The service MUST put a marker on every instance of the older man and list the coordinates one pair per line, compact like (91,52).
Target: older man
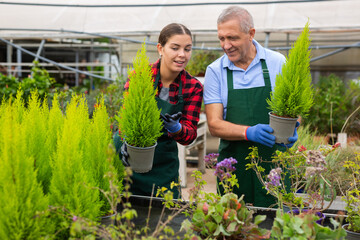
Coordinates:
(235,91)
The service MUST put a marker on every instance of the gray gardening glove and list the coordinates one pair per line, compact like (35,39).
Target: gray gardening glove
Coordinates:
(125,155)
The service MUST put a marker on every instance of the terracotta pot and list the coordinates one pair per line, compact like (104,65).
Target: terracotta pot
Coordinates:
(283,128)
(141,158)
(350,235)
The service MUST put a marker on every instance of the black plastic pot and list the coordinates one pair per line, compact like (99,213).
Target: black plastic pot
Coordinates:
(141,205)
(350,234)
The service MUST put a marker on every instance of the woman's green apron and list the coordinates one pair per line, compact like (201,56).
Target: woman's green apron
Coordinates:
(248,107)
(166,162)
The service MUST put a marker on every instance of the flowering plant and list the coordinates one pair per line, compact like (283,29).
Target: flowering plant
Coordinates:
(305,170)
(224,217)
(352,196)
(298,170)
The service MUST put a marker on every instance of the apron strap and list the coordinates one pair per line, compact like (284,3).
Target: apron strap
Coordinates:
(265,71)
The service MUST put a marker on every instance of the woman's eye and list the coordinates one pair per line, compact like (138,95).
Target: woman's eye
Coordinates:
(188,49)
(175,49)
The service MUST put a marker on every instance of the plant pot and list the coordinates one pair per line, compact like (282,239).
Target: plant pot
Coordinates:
(319,214)
(108,219)
(350,235)
(141,158)
(283,128)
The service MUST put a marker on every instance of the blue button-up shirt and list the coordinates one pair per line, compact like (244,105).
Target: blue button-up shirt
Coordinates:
(215,85)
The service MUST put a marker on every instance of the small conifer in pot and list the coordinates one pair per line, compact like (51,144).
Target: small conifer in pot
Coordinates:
(139,117)
(293,93)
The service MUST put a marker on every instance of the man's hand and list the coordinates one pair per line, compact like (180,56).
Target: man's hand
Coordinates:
(261,133)
(171,122)
(125,155)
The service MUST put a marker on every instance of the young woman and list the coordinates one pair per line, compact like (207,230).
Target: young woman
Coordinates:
(179,97)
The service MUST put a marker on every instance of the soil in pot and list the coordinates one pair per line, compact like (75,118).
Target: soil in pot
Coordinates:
(350,235)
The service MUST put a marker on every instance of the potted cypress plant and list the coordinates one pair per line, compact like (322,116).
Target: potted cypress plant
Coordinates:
(293,93)
(139,117)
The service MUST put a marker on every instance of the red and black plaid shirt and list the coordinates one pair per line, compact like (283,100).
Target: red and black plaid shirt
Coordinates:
(192,91)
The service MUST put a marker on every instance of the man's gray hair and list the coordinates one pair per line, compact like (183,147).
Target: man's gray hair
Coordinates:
(244,17)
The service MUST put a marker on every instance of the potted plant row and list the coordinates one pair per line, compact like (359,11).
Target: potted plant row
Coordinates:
(54,165)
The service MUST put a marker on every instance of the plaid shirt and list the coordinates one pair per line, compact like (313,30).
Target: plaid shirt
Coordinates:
(192,94)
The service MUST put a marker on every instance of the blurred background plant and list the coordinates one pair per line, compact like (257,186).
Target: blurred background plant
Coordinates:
(311,139)
(199,61)
(38,79)
(334,102)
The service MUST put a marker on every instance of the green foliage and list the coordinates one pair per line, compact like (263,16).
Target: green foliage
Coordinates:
(97,141)
(35,125)
(8,86)
(293,93)
(306,170)
(219,217)
(334,102)
(39,79)
(21,197)
(139,116)
(352,195)
(303,226)
(199,61)
(310,139)
(72,182)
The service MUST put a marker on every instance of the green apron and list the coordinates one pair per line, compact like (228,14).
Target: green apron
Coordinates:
(248,107)
(166,162)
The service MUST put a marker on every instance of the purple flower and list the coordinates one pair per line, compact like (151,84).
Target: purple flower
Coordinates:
(74,218)
(225,168)
(274,178)
(211,159)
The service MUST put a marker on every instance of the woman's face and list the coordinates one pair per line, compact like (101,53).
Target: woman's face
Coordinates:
(176,53)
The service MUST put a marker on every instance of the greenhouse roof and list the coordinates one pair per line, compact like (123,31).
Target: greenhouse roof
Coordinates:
(58,18)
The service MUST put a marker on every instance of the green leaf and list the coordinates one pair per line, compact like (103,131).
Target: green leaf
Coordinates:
(259,219)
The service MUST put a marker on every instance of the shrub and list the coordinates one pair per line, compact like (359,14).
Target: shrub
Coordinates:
(293,94)
(139,116)
(21,197)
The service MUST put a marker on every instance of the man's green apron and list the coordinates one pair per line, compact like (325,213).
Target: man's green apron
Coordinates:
(248,107)
(166,162)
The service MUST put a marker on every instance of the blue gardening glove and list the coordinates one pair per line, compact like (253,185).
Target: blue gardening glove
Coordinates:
(171,122)
(260,133)
(125,155)
(292,139)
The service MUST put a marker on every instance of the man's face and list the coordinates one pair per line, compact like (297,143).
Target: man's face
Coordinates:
(235,43)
